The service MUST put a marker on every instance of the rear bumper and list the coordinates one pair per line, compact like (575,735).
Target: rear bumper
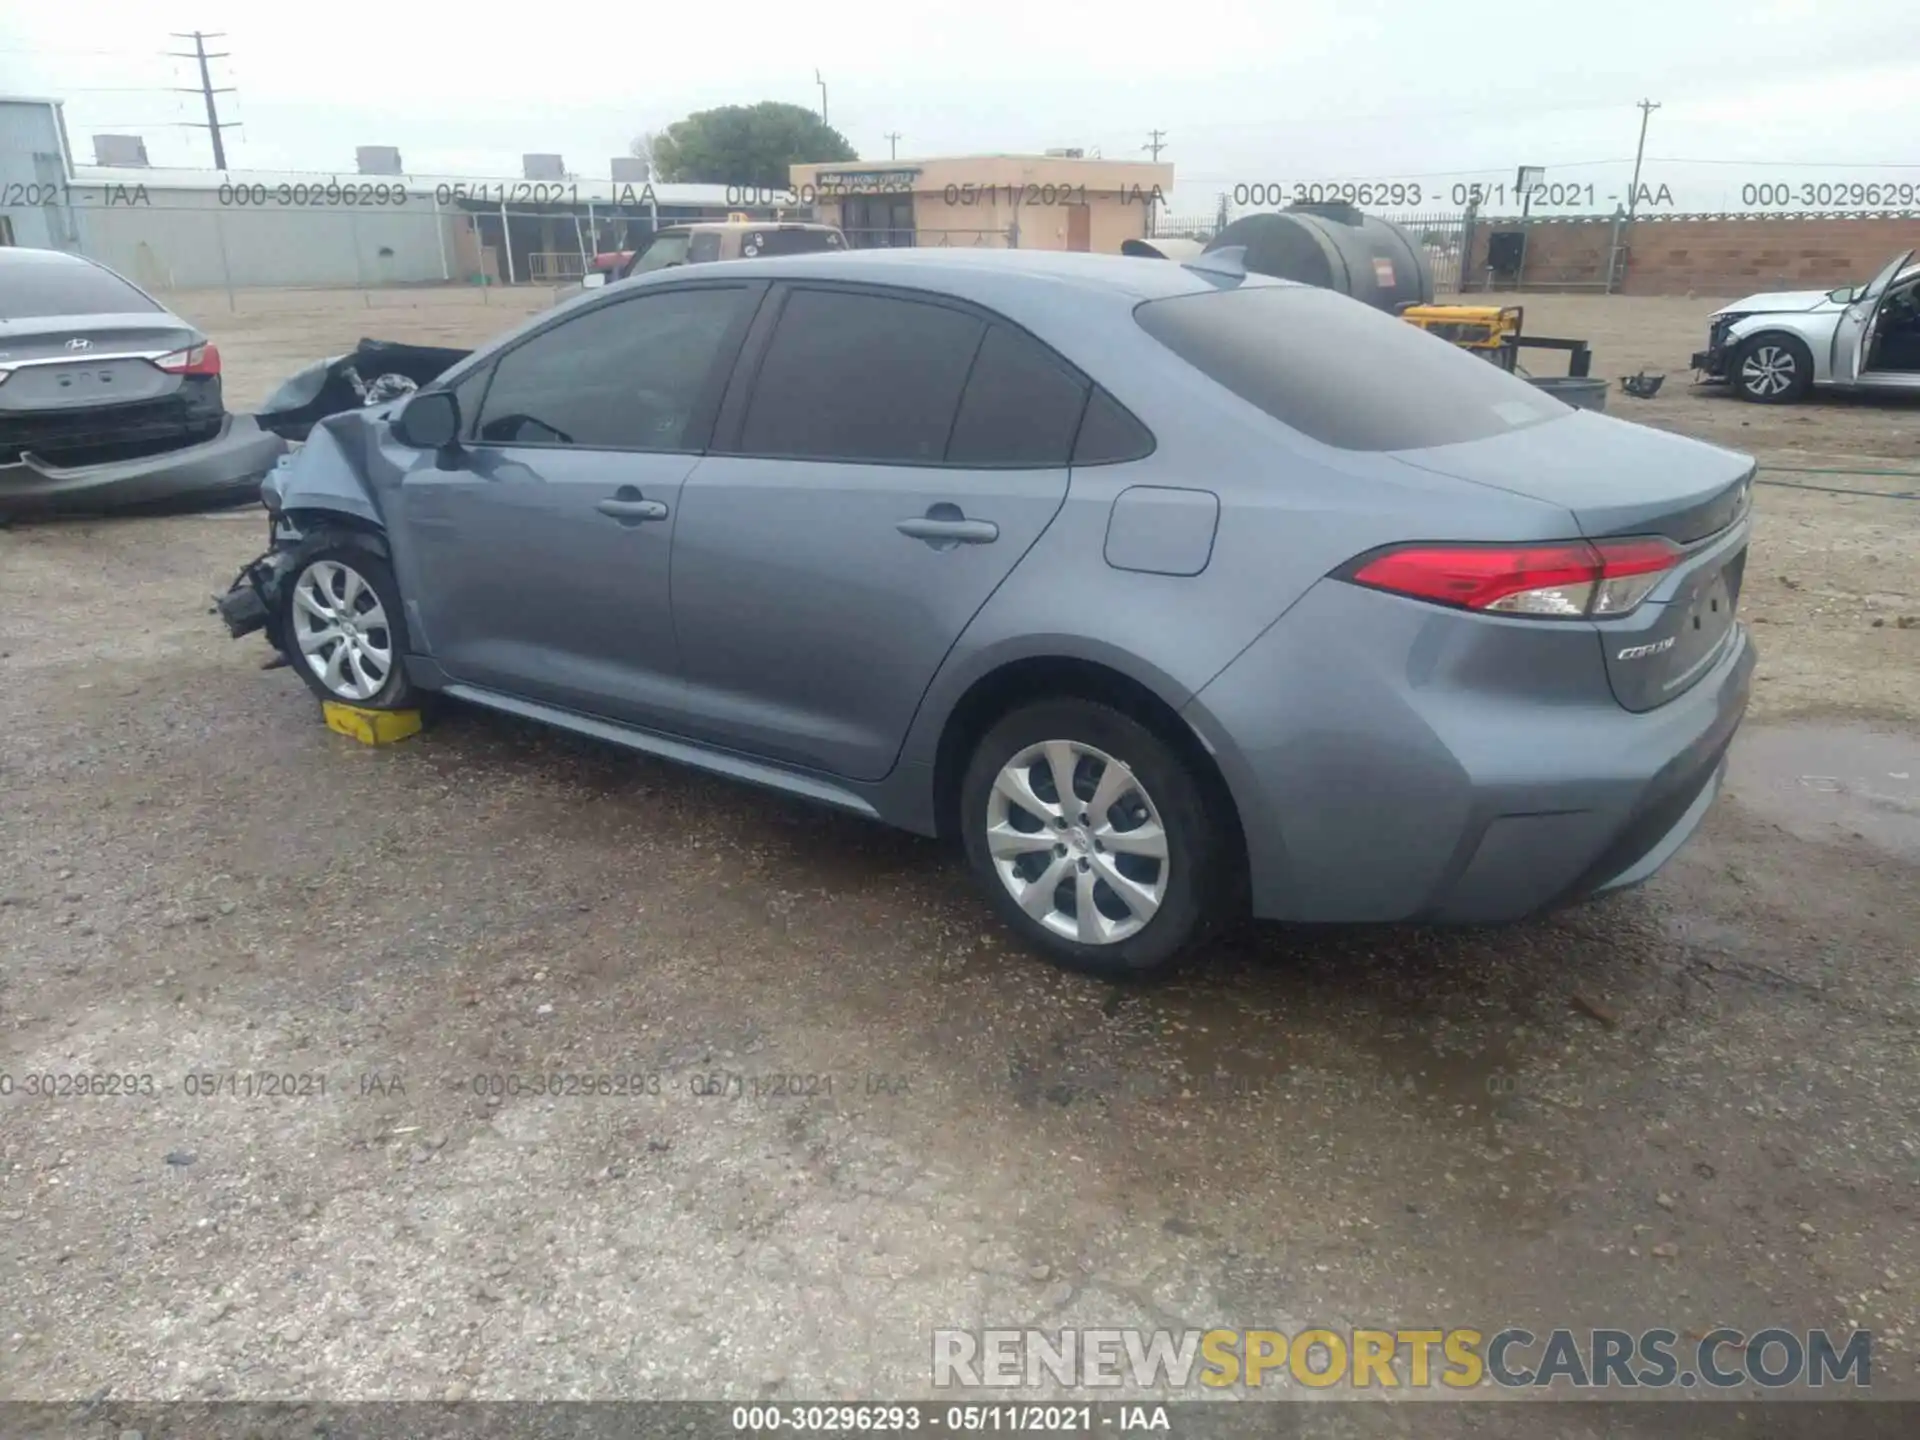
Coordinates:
(229,466)
(1388,765)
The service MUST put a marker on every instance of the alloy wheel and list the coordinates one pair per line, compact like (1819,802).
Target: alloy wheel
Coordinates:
(1078,842)
(340,628)
(1768,371)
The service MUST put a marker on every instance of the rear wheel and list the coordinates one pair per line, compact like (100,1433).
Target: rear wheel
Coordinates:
(340,626)
(1772,370)
(1091,838)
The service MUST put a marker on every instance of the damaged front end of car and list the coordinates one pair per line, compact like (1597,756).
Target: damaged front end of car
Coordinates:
(317,488)
(328,410)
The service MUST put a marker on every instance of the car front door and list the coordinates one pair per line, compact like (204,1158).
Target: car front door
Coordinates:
(535,559)
(882,463)
(1854,332)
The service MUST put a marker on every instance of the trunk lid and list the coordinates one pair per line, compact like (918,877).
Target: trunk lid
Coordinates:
(1614,477)
(48,337)
(1619,479)
(79,362)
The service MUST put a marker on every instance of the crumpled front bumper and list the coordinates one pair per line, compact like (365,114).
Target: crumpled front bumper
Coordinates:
(229,466)
(253,599)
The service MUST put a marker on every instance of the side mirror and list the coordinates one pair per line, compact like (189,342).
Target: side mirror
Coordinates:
(430,421)
(594,280)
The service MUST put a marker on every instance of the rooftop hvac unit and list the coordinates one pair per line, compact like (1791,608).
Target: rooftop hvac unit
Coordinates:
(542,167)
(631,170)
(378,160)
(119,150)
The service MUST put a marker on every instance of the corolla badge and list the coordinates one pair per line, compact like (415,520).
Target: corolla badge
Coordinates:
(1640,652)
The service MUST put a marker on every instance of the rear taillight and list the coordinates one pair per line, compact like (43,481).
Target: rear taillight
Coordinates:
(1572,580)
(200,360)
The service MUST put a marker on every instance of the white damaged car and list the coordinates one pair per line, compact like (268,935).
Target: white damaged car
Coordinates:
(1776,348)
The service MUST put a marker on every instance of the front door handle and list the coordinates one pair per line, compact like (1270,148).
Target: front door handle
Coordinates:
(945,526)
(630,509)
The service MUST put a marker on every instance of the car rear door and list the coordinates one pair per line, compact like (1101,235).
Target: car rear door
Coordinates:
(883,461)
(535,561)
(1855,327)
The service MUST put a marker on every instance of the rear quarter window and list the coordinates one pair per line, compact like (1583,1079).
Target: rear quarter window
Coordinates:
(1341,372)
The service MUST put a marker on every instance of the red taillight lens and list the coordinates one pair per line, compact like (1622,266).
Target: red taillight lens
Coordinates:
(200,360)
(1569,580)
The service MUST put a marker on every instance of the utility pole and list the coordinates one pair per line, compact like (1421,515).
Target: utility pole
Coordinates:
(1647,107)
(823,94)
(1156,142)
(205,90)
(893,144)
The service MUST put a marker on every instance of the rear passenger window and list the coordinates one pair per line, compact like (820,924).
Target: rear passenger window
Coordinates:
(1110,433)
(1021,407)
(860,377)
(705,247)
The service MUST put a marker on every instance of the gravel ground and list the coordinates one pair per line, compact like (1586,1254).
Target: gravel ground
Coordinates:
(1691,1105)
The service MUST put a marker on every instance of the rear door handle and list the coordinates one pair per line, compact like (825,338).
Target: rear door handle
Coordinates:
(951,532)
(633,512)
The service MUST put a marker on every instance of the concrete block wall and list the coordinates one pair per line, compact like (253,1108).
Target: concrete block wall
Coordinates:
(1710,255)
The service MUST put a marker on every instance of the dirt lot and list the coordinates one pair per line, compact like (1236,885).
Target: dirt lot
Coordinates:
(1688,1106)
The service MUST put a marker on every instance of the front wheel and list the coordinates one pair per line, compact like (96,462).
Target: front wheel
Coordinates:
(1772,370)
(340,626)
(1091,838)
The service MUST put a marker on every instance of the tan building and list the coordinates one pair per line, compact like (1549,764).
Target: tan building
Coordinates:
(1025,202)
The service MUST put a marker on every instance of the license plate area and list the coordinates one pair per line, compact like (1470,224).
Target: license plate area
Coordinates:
(1703,624)
(1675,643)
(83,386)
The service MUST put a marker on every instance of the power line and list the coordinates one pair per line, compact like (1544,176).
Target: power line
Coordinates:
(205,90)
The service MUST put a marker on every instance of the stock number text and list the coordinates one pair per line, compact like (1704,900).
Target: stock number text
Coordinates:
(1275,193)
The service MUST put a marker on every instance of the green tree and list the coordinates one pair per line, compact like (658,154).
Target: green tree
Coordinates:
(742,145)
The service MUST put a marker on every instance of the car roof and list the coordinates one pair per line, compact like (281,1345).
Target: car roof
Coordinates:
(1006,280)
(24,255)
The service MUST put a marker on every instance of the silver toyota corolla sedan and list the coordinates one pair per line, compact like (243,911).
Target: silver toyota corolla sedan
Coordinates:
(1171,591)
(1776,348)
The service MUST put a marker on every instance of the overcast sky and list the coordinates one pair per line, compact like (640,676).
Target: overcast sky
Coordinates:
(1246,91)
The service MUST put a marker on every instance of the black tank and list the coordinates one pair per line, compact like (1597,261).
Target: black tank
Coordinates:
(1335,247)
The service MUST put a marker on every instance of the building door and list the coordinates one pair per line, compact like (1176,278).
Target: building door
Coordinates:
(1079,228)
(874,222)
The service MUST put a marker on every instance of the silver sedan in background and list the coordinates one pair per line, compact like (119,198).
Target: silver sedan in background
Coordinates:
(1776,348)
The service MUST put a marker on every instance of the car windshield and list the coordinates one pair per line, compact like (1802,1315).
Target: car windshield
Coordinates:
(39,289)
(1341,372)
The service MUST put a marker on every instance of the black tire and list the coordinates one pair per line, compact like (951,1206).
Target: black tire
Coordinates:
(1769,383)
(1193,868)
(358,555)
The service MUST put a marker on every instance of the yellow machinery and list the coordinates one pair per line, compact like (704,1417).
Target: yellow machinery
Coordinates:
(1493,331)
(1471,327)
